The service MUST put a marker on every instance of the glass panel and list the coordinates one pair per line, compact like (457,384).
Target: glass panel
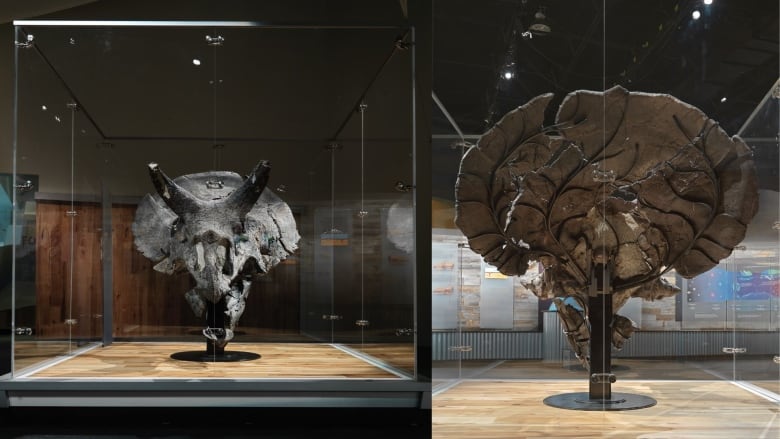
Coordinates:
(452,292)
(197,269)
(756,301)
(659,49)
(58,289)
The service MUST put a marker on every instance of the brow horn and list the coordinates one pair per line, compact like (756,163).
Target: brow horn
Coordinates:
(245,196)
(178,199)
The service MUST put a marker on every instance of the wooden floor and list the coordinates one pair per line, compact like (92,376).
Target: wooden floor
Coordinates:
(398,355)
(152,360)
(686,409)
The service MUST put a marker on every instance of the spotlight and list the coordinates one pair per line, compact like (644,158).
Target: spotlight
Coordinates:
(196,61)
(540,26)
(508,74)
(696,15)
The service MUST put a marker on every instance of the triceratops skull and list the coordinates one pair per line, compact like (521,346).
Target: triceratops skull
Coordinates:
(224,230)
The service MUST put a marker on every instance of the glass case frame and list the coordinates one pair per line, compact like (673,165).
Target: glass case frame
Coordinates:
(406,389)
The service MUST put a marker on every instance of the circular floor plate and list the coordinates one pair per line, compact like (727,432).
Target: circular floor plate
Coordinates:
(204,357)
(582,401)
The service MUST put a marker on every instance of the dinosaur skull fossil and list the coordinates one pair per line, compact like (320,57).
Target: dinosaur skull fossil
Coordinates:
(221,228)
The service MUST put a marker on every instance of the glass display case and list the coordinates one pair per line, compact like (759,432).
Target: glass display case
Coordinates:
(481,314)
(112,118)
(495,342)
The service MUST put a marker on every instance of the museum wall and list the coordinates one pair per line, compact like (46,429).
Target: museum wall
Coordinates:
(469,295)
(291,299)
(147,303)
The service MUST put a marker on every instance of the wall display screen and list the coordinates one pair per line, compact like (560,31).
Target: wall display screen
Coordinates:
(720,285)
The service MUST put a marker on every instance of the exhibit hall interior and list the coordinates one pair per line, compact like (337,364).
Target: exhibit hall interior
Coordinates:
(605,228)
(215,212)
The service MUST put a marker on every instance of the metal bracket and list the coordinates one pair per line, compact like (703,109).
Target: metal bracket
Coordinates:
(71,322)
(214,184)
(215,41)
(404,331)
(331,317)
(460,348)
(734,350)
(600,378)
(72,106)
(400,44)
(23,331)
(400,186)
(776,359)
(71,213)
(600,176)
(362,322)
(26,187)
(25,44)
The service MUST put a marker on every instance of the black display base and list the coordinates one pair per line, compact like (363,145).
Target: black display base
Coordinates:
(582,401)
(205,357)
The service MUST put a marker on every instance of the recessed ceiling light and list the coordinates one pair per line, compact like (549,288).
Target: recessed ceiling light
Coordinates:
(508,75)
(707,2)
(723,99)
(696,15)
(43,107)
(196,61)
(57,118)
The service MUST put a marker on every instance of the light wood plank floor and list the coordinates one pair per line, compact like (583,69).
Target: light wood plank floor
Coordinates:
(28,353)
(685,409)
(399,355)
(152,360)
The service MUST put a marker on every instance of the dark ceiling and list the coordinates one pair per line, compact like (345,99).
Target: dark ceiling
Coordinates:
(282,89)
(730,52)
(652,46)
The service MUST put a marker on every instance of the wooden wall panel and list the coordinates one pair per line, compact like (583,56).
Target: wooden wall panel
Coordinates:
(54,304)
(146,302)
(274,300)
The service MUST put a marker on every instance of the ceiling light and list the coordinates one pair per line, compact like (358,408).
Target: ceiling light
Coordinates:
(508,74)
(696,14)
(196,61)
(540,26)
(43,107)
(707,2)
(723,99)
(57,118)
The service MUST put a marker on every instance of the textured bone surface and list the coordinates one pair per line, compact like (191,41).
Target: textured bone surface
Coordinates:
(220,227)
(642,182)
